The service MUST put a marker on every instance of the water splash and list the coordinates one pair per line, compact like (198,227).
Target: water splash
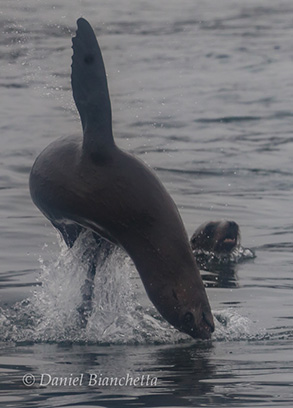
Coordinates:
(52,313)
(209,259)
(230,325)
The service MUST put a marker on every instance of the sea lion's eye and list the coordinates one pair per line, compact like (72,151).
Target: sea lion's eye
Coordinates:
(209,230)
(188,319)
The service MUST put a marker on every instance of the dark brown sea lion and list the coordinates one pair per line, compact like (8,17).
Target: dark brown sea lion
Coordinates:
(217,237)
(89,183)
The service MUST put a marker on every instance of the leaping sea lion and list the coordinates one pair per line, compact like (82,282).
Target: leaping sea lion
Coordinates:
(89,183)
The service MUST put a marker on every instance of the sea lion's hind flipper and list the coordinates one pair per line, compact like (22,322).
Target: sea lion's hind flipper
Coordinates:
(90,89)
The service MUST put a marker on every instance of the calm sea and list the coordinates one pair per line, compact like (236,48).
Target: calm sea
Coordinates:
(202,91)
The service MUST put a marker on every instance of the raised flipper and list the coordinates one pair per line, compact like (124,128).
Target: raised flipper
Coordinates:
(90,90)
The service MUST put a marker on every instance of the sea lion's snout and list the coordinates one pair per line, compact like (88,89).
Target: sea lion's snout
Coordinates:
(206,326)
(201,326)
(227,236)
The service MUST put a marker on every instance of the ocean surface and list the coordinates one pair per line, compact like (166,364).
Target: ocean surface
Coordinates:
(202,91)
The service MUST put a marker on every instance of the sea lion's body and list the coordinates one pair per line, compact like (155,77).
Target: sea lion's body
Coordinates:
(89,183)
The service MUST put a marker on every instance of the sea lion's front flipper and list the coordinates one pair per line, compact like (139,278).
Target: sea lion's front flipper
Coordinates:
(90,90)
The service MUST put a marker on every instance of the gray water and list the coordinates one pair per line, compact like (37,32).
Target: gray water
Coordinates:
(202,91)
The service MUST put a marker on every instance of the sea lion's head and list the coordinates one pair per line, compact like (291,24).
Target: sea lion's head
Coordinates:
(184,304)
(219,237)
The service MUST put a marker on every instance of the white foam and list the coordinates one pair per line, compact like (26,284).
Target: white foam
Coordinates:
(230,325)
(52,313)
